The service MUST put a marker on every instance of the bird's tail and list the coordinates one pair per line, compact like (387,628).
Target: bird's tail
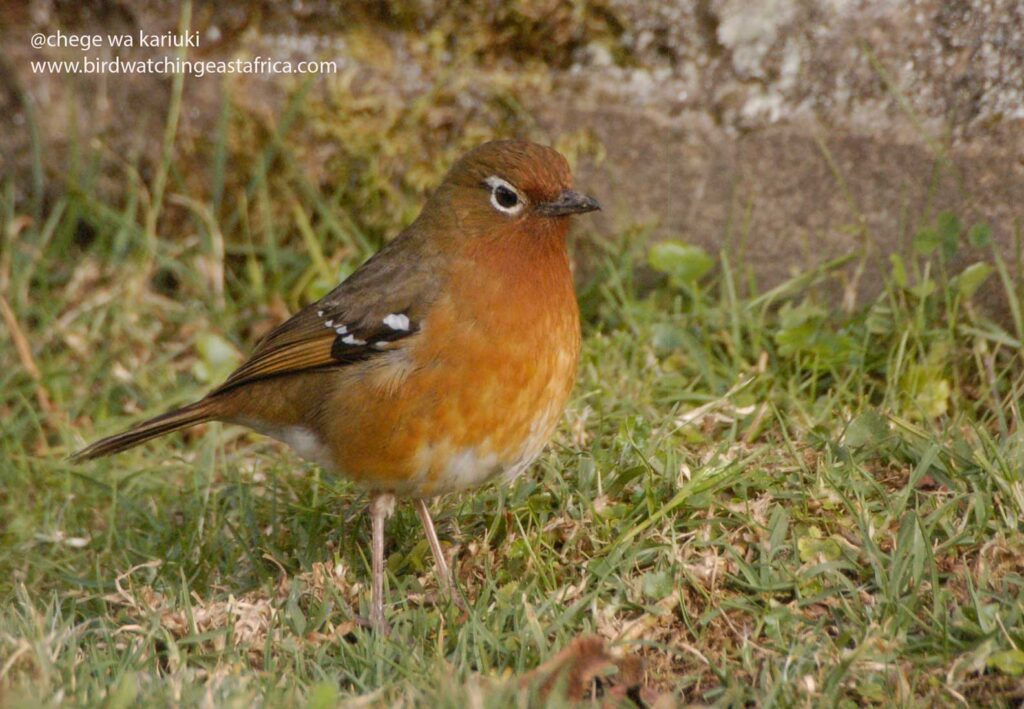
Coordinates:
(174,420)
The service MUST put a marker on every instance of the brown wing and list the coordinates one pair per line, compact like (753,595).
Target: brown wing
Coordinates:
(372,311)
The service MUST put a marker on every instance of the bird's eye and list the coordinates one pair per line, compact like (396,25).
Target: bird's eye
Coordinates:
(504,197)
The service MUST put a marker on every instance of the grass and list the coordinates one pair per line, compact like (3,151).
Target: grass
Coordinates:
(768,498)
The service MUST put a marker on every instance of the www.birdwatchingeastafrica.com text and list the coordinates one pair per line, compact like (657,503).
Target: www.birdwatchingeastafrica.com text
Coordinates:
(177,65)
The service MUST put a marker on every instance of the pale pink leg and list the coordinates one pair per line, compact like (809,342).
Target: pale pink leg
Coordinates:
(435,546)
(382,505)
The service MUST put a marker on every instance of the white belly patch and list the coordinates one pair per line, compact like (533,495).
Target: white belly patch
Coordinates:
(306,443)
(300,439)
(442,470)
(468,468)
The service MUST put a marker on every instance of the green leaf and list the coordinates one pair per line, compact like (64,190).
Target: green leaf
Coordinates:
(1009,662)
(944,235)
(805,329)
(899,270)
(682,262)
(798,338)
(926,240)
(624,478)
(294,615)
(813,548)
(873,692)
(927,389)
(125,692)
(949,228)
(880,319)
(923,289)
(798,327)
(979,235)
(868,429)
(795,315)
(657,585)
(971,278)
(324,695)
(667,338)
(217,357)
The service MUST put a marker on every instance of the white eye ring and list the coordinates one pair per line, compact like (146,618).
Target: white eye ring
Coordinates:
(499,185)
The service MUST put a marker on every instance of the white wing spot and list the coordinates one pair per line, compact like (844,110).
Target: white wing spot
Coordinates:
(329,323)
(341,329)
(319,313)
(352,340)
(397,321)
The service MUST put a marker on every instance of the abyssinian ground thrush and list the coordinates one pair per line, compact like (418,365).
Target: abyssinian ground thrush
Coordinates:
(444,361)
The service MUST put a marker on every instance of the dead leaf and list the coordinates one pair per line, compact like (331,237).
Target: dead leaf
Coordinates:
(586,667)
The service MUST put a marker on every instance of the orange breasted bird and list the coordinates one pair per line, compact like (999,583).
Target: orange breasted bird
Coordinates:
(443,362)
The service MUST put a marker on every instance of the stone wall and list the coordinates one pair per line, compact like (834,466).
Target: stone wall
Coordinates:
(790,130)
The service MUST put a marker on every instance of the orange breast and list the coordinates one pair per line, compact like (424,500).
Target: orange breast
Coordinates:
(477,393)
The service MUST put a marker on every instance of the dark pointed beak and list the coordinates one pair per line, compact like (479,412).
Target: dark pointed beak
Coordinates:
(568,202)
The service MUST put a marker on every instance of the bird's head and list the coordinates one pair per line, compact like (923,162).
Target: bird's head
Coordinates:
(511,186)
